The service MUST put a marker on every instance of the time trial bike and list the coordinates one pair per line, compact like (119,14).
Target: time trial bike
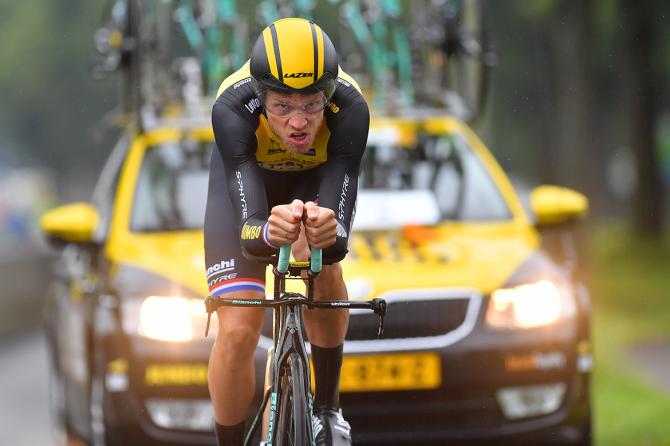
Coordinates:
(287,387)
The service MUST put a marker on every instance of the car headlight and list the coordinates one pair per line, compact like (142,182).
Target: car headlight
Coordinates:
(359,288)
(166,318)
(529,306)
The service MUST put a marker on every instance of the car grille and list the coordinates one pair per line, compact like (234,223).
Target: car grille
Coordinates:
(410,319)
(434,414)
(454,414)
(408,316)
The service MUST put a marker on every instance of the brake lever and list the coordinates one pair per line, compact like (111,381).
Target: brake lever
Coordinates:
(380,309)
(209,317)
(380,327)
(210,307)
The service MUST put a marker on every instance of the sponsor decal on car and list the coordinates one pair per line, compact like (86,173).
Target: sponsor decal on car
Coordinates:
(535,361)
(175,375)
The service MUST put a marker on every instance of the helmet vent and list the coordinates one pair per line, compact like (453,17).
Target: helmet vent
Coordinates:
(275,44)
(315,45)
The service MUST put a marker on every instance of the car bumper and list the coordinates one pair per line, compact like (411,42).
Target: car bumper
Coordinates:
(512,387)
(161,398)
(463,418)
(465,409)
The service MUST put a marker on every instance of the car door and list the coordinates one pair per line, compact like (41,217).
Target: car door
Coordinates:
(73,297)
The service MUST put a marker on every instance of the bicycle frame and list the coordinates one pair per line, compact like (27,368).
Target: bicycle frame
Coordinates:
(287,333)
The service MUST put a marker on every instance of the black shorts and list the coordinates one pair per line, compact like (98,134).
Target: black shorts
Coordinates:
(227,268)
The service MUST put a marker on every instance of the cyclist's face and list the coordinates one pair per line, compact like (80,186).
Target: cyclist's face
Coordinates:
(295,118)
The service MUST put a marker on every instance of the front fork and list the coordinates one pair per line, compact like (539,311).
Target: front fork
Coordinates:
(266,388)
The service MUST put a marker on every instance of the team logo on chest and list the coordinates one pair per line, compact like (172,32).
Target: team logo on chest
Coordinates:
(275,150)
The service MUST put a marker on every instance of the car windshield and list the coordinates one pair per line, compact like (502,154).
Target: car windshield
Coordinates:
(171,191)
(439,179)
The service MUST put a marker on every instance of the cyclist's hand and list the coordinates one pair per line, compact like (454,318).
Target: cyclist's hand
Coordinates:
(320,225)
(284,223)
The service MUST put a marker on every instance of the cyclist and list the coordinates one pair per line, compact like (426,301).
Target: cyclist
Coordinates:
(290,128)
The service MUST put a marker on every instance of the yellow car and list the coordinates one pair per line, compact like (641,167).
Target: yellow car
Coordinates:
(486,336)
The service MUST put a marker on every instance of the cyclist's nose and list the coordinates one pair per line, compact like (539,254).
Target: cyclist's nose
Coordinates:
(298,120)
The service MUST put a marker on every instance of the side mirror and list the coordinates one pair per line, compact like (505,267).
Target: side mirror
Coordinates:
(555,205)
(71,223)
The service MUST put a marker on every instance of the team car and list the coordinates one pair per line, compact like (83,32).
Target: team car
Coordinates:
(486,335)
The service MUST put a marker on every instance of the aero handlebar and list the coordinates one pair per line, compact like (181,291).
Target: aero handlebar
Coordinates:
(316,261)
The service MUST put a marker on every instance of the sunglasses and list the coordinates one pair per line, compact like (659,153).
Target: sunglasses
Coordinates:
(281,107)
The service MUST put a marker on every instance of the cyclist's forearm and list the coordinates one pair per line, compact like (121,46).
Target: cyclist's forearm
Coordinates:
(254,238)
(247,193)
(339,182)
(236,142)
(341,198)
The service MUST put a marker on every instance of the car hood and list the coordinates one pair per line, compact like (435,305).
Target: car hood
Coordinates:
(479,256)
(177,256)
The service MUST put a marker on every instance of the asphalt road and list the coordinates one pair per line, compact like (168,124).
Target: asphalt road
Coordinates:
(24,391)
(24,397)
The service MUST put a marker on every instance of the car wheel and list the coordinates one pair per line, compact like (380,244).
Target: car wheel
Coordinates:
(57,406)
(587,436)
(98,430)
(101,434)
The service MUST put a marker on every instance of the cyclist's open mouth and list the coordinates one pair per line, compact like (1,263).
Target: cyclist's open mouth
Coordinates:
(298,138)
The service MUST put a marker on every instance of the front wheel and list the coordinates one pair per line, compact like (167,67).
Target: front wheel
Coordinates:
(295,421)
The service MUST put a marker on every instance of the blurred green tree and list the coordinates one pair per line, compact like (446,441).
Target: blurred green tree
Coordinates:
(578,83)
(49,104)
(642,26)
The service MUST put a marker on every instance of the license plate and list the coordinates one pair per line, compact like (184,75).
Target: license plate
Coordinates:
(398,371)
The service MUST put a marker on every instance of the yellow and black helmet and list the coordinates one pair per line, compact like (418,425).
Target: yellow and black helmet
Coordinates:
(294,55)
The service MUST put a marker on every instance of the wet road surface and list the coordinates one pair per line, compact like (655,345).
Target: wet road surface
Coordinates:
(24,390)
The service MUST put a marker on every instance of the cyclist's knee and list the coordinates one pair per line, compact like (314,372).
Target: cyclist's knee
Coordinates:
(330,280)
(239,328)
(333,270)
(238,340)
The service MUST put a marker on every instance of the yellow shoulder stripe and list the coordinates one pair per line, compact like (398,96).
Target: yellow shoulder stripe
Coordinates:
(344,76)
(240,74)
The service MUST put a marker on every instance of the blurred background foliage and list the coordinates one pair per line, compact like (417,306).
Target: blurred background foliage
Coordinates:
(49,103)
(579,98)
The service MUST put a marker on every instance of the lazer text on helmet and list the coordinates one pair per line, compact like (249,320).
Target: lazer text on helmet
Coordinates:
(299,75)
